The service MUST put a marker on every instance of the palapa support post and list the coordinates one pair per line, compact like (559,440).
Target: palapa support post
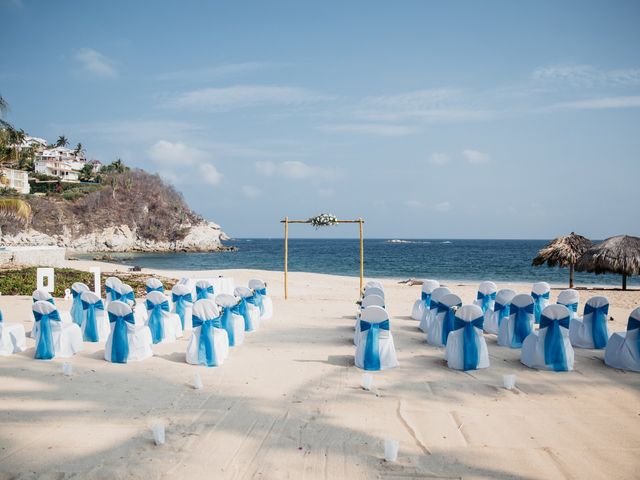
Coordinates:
(361,258)
(286,255)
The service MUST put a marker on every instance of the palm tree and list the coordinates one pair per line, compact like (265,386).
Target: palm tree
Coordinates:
(17,137)
(79,149)
(4,108)
(15,208)
(62,141)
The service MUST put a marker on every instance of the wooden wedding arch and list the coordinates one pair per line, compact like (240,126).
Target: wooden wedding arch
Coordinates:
(287,221)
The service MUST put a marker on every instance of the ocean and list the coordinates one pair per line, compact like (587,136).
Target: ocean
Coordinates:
(472,260)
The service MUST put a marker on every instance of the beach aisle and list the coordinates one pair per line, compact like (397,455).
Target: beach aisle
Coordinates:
(288,404)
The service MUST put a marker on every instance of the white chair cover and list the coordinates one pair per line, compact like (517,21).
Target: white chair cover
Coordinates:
(128,341)
(515,328)
(266,305)
(549,348)
(249,311)
(95,323)
(373,291)
(370,301)
(424,302)
(54,339)
(165,326)
(429,315)
(466,347)
(540,291)
(77,313)
(124,293)
(494,316)
(570,299)
(209,343)
(109,288)
(486,296)
(154,285)
(373,283)
(623,348)
(12,337)
(204,290)
(375,349)
(182,298)
(444,321)
(591,331)
(231,319)
(42,296)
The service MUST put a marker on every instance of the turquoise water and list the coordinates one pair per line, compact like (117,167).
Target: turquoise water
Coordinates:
(497,260)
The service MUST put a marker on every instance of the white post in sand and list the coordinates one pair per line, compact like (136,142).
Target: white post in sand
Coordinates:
(45,273)
(96,279)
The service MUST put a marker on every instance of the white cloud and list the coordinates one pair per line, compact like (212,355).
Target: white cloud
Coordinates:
(369,129)
(266,168)
(296,170)
(128,131)
(251,192)
(95,63)
(209,174)
(596,104)
(475,157)
(175,154)
(442,207)
(414,204)
(587,76)
(211,73)
(438,159)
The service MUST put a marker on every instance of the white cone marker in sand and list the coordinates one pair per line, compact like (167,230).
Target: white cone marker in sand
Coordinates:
(367,381)
(67,369)
(197,382)
(391,447)
(509,381)
(158,433)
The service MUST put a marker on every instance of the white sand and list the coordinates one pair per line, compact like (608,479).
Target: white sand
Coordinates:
(287,404)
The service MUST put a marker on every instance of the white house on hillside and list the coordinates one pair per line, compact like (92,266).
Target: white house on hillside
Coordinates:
(16,179)
(60,162)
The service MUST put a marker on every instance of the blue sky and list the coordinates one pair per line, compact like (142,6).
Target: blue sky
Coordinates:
(456,119)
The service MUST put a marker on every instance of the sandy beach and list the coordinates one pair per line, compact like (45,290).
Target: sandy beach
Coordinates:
(288,403)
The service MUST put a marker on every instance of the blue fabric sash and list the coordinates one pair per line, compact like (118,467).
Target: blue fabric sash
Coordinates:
(573,308)
(91,327)
(241,309)
(372,347)
(76,308)
(180,301)
(634,324)
(447,322)
(470,341)
(598,324)
(206,345)
(1,318)
(226,319)
(156,289)
(256,299)
(119,339)
(486,298)
(110,293)
(426,300)
(555,356)
(156,325)
(44,349)
(539,304)
(261,293)
(124,297)
(502,310)
(521,323)
(203,293)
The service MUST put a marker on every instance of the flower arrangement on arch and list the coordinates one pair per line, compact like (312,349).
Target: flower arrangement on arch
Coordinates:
(323,220)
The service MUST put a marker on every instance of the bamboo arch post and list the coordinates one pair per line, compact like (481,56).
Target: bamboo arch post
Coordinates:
(286,222)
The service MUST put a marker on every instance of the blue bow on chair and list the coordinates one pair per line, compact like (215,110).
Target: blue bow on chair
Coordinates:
(203,292)
(372,347)
(226,319)
(76,308)
(486,299)
(181,301)
(539,304)
(470,341)
(426,300)
(125,297)
(119,339)
(156,325)
(241,309)
(91,327)
(447,322)
(634,324)
(598,324)
(110,293)
(502,310)
(256,300)
(50,300)
(261,293)
(573,308)
(555,356)
(206,344)
(1,317)
(44,349)
(155,289)
(521,325)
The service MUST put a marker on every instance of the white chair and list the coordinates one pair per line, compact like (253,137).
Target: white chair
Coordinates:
(375,349)
(373,283)
(54,339)
(154,285)
(127,341)
(95,324)
(369,301)
(124,293)
(494,316)
(549,348)
(249,311)
(209,344)
(429,315)
(570,299)
(204,290)
(12,337)
(423,303)
(540,291)
(443,323)
(373,291)
(77,313)
(486,296)
(110,285)
(623,348)
(165,326)
(183,305)
(231,319)
(466,347)
(42,296)
(266,304)
(591,331)
(515,328)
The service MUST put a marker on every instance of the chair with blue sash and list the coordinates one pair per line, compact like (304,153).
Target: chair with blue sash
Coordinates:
(423,304)
(95,324)
(444,321)
(368,301)
(204,290)
(124,293)
(623,348)
(373,284)
(77,313)
(493,317)
(249,311)
(44,296)
(165,326)
(209,343)
(182,298)
(110,293)
(375,349)
(373,291)
(230,318)
(591,331)
(12,337)
(519,324)
(570,299)
(128,341)
(54,338)
(266,304)
(549,347)
(154,285)
(540,291)
(486,296)
(466,347)
(429,315)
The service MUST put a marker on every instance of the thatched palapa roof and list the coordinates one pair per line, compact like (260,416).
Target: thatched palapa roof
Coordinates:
(619,255)
(563,251)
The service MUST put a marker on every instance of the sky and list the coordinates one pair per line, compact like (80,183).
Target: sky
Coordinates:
(429,119)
